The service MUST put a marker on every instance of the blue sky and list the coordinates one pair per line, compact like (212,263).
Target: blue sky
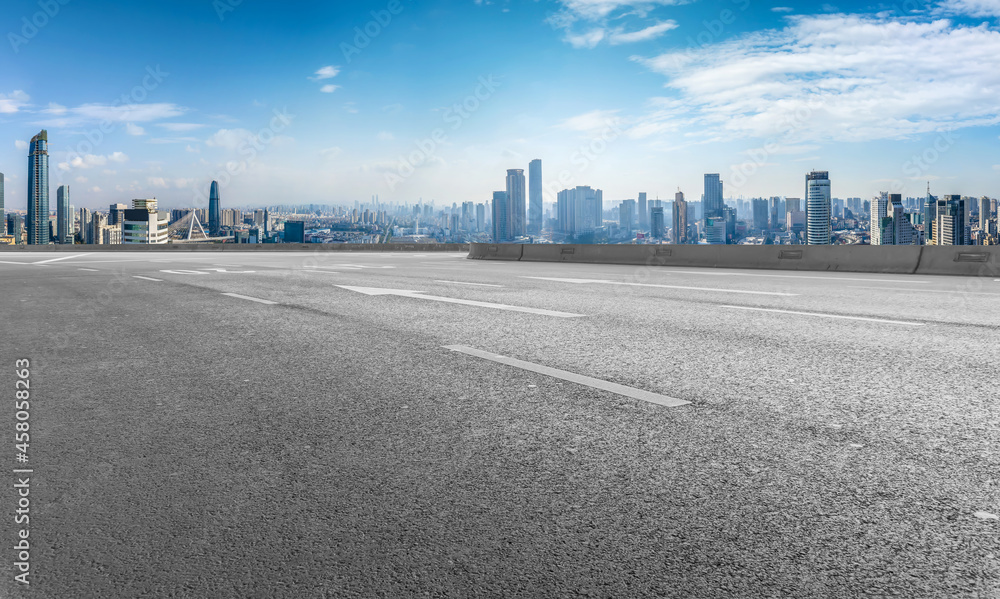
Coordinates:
(295,106)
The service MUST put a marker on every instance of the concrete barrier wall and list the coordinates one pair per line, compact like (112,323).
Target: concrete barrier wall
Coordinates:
(966,260)
(246,247)
(497,251)
(958,260)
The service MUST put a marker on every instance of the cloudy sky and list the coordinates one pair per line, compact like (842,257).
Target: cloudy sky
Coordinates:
(335,102)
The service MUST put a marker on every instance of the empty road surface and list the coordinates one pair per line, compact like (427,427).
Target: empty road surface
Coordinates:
(224,424)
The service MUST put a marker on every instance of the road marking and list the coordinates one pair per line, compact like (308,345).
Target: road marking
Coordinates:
(919,291)
(63,258)
(748,274)
(821,315)
(450,300)
(147,278)
(605,282)
(252,299)
(89,269)
(573,377)
(323,272)
(464,283)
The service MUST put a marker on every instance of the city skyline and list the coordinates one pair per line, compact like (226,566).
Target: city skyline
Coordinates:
(620,95)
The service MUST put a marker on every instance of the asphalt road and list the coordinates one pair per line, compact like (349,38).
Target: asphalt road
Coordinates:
(839,436)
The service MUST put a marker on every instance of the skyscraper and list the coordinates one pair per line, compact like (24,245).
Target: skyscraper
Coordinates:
(930,218)
(535,197)
(656,222)
(64,216)
(760,215)
(501,214)
(515,203)
(38,189)
(713,203)
(214,216)
(3,221)
(818,229)
(626,217)
(14,227)
(877,220)
(680,222)
(643,212)
(115,214)
(949,228)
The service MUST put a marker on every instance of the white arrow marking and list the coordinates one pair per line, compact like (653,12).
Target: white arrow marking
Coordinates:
(63,258)
(451,300)
(605,282)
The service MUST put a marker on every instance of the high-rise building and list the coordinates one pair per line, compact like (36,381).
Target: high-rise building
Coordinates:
(818,228)
(950,226)
(3,221)
(480,218)
(680,219)
(295,231)
(38,189)
(15,227)
(214,210)
(777,214)
(643,212)
(115,212)
(64,216)
(984,207)
(902,230)
(84,224)
(501,214)
(792,205)
(626,217)
(760,215)
(535,197)
(712,203)
(515,203)
(144,224)
(656,222)
(878,219)
(930,218)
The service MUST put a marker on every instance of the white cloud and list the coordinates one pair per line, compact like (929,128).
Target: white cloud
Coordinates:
(326,73)
(385,136)
(157,181)
(590,39)
(21,145)
(13,102)
(653,31)
(181,126)
(192,149)
(56,109)
(229,138)
(329,89)
(591,122)
(120,114)
(839,77)
(331,152)
(782,9)
(81,180)
(598,9)
(91,161)
(972,8)
(133,129)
